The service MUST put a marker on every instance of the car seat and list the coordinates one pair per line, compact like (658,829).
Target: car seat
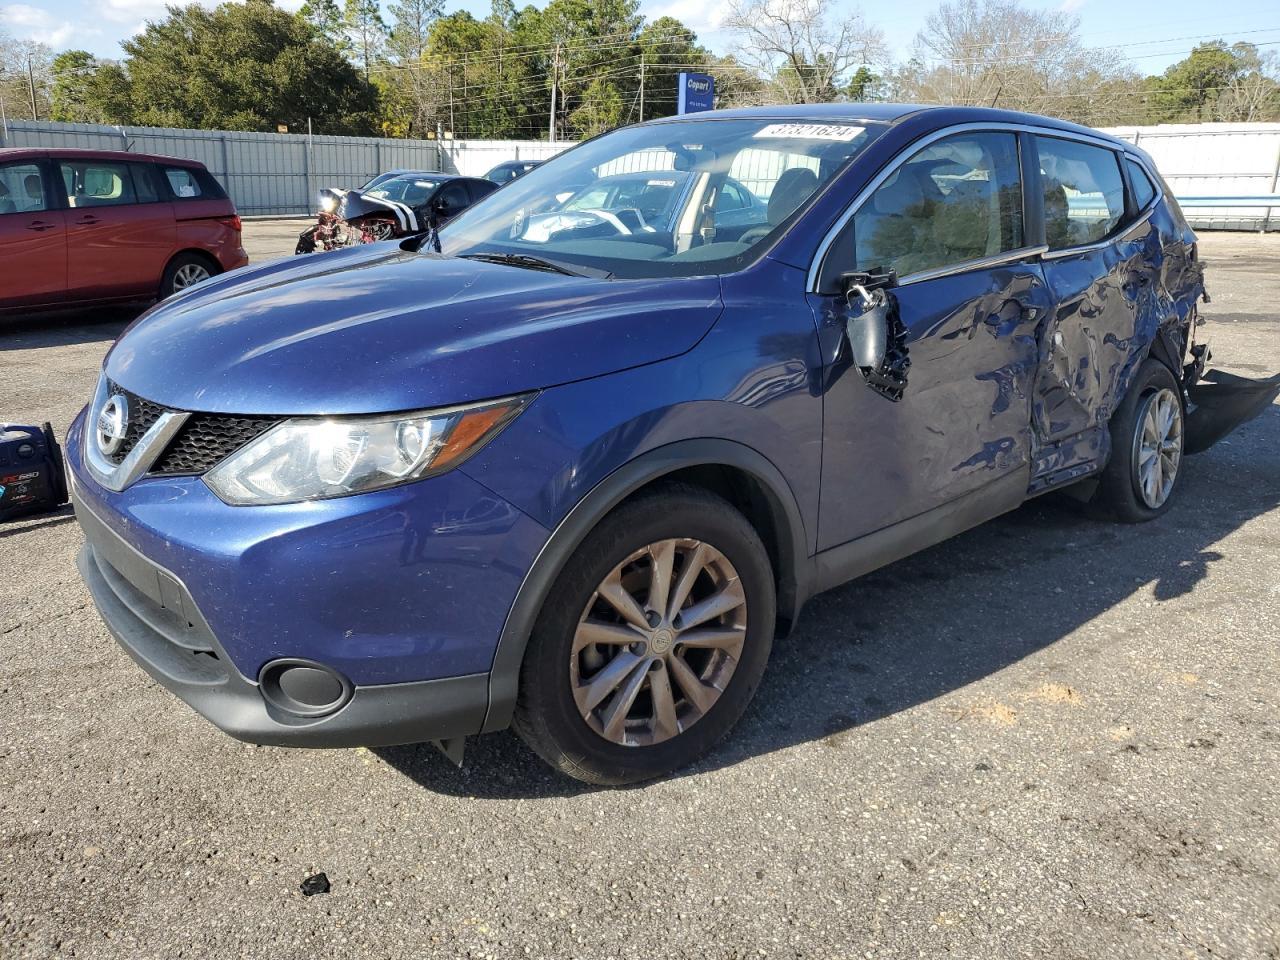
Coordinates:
(792,189)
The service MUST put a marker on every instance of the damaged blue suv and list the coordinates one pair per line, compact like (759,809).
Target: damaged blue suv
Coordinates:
(573,466)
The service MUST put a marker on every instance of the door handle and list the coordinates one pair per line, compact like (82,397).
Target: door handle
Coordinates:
(40,225)
(88,220)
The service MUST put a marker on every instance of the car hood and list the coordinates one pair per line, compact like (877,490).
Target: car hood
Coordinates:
(379,329)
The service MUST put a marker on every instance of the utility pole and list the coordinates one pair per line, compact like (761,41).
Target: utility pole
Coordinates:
(555,83)
(31,86)
(642,88)
(451,127)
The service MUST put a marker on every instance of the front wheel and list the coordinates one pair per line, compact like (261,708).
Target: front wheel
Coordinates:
(652,642)
(1147,429)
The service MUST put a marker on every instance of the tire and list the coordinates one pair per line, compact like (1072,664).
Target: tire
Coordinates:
(1124,490)
(183,271)
(675,527)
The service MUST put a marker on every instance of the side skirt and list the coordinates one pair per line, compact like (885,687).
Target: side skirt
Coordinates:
(837,565)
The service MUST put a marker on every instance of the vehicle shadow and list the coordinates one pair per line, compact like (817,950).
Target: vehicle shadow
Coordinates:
(65,327)
(940,620)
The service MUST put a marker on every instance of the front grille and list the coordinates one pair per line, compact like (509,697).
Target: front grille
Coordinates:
(206,439)
(142,414)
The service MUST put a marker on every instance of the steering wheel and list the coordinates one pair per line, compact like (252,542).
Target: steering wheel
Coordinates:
(756,233)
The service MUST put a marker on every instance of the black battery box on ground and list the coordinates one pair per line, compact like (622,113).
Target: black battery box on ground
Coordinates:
(31,473)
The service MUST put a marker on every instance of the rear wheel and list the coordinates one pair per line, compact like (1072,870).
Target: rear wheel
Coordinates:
(652,642)
(1147,428)
(184,270)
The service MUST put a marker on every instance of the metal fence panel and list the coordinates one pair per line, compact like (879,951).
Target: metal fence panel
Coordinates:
(275,174)
(1205,160)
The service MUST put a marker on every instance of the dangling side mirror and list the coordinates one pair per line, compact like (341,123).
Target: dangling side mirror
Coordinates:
(874,332)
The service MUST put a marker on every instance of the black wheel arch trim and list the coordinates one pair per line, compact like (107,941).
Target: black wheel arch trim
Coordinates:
(793,575)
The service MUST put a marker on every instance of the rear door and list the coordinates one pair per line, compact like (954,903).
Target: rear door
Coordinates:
(120,233)
(1094,270)
(33,236)
(949,220)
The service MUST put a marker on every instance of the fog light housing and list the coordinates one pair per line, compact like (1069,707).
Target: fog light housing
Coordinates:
(304,688)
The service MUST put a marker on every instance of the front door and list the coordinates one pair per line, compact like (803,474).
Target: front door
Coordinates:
(971,293)
(33,238)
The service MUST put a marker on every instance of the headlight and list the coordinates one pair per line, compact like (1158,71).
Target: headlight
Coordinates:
(328,202)
(315,458)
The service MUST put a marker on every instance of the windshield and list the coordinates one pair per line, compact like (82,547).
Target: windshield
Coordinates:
(410,190)
(670,199)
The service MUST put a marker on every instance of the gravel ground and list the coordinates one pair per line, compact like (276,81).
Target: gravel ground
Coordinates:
(1049,737)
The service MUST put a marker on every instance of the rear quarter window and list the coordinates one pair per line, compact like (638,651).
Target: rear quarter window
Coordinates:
(193,183)
(1144,190)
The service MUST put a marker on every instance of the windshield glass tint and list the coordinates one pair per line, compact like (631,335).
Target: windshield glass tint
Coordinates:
(687,198)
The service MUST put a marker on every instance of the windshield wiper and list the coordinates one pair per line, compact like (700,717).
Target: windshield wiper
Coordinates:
(529,262)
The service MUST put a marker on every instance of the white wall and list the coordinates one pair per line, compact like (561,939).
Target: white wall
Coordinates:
(1215,160)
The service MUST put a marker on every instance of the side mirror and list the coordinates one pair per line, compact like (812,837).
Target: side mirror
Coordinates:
(876,338)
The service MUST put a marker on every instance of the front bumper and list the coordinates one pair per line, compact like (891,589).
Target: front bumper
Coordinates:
(153,617)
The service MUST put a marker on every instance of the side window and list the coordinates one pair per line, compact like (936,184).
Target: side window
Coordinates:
(143,184)
(452,197)
(730,198)
(480,189)
(956,200)
(21,189)
(1083,192)
(183,183)
(1144,190)
(97,183)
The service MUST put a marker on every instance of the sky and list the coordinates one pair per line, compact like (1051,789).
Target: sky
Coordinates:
(1152,33)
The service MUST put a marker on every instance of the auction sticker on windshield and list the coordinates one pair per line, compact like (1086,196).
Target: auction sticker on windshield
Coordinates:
(809,131)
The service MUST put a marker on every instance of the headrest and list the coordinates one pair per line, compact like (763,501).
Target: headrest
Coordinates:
(31,183)
(792,189)
(896,195)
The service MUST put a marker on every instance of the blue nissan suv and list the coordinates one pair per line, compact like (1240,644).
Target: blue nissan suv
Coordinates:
(576,473)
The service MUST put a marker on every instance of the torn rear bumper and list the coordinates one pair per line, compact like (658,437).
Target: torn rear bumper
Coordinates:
(1220,402)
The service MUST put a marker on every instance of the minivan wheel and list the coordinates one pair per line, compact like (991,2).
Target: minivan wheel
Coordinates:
(652,641)
(1146,448)
(184,271)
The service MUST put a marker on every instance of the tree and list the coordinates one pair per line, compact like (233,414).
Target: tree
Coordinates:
(270,69)
(998,53)
(804,48)
(600,109)
(325,18)
(26,77)
(365,28)
(411,29)
(72,76)
(1217,82)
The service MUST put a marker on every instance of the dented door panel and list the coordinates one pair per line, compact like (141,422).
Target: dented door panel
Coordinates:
(963,420)
(1112,302)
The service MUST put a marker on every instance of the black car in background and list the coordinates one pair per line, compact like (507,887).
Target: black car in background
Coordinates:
(511,170)
(388,208)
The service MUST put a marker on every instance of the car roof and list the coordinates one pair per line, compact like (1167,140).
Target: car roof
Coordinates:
(71,153)
(889,113)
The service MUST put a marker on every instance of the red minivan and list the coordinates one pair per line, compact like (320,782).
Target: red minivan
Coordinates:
(80,226)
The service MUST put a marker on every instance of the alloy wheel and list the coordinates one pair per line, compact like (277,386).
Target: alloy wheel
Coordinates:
(658,642)
(1157,451)
(189,274)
